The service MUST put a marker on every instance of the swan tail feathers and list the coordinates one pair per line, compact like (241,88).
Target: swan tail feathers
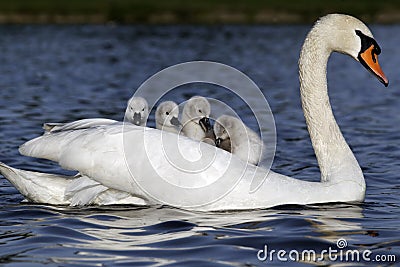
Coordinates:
(35,186)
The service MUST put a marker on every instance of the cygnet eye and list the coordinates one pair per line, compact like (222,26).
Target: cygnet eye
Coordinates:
(143,109)
(167,113)
(200,111)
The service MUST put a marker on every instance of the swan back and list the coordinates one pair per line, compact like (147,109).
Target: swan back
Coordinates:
(167,117)
(137,111)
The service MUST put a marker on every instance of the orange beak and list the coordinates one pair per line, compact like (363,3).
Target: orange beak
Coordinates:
(369,58)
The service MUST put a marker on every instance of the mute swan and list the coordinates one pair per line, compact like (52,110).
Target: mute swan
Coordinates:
(195,110)
(167,114)
(137,111)
(99,153)
(243,141)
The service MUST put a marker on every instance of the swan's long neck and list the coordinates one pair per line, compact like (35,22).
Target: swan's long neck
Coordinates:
(335,158)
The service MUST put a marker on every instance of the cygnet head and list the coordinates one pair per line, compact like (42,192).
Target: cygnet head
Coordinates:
(196,124)
(167,116)
(197,108)
(137,111)
(348,35)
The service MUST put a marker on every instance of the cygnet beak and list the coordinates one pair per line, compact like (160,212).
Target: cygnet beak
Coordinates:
(207,128)
(205,124)
(137,118)
(174,121)
(224,144)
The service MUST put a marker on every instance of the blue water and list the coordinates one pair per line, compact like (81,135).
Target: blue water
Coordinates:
(65,73)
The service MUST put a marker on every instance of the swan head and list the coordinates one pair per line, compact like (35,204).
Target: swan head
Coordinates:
(198,108)
(167,115)
(137,111)
(348,35)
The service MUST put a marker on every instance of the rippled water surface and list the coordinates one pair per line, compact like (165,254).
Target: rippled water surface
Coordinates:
(64,73)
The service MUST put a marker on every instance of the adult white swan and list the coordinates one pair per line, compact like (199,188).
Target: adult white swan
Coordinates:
(130,160)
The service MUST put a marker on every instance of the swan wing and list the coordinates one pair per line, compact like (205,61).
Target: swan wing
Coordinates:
(149,157)
(76,125)
(94,152)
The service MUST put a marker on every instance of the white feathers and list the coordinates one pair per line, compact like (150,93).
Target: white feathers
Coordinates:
(64,190)
(76,125)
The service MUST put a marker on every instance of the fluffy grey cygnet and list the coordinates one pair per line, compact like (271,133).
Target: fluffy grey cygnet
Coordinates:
(137,111)
(167,114)
(234,136)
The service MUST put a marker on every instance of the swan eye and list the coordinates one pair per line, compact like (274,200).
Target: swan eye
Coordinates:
(200,111)
(167,113)
(367,42)
(143,109)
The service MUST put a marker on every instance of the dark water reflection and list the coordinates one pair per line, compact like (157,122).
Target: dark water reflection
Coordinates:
(64,73)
